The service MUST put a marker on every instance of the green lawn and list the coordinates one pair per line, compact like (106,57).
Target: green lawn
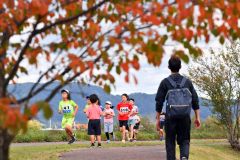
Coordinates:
(200,150)
(212,150)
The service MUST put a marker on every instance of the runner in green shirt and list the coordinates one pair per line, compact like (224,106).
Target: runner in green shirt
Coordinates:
(69,109)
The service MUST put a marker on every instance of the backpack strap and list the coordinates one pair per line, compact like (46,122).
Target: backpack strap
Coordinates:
(172,82)
(183,82)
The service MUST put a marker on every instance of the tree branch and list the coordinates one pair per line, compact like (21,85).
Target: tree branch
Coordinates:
(35,32)
(20,58)
(32,94)
(55,90)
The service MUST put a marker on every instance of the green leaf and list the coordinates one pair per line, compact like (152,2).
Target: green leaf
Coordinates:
(182,55)
(221,40)
(164,39)
(118,70)
(23,70)
(215,32)
(27,111)
(190,22)
(110,8)
(152,46)
(107,88)
(47,111)
(104,56)
(110,67)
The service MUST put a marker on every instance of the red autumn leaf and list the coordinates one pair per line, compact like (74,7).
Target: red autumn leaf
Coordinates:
(135,64)
(11,117)
(39,6)
(125,66)
(127,78)
(118,29)
(154,19)
(91,52)
(188,34)
(76,63)
(34,110)
(90,64)
(10,3)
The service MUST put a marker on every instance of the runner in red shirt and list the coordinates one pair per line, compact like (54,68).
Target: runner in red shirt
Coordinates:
(124,110)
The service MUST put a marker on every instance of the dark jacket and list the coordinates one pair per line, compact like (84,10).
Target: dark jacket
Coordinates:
(165,86)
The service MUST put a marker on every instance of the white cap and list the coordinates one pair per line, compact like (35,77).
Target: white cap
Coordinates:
(108,102)
(65,90)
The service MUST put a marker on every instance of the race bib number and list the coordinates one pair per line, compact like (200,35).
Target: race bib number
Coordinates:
(66,110)
(124,109)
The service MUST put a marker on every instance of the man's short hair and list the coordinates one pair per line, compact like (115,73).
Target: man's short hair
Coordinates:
(93,98)
(174,63)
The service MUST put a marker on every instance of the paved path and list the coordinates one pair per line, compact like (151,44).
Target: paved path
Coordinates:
(44,143)
(117,153)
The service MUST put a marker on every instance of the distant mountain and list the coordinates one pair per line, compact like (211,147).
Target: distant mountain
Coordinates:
(145,102)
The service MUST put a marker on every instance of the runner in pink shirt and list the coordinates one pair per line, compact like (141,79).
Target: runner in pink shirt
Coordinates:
(94,113)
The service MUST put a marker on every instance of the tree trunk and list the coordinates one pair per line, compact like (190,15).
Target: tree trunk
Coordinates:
(235,144)
(233,139)
(5,141)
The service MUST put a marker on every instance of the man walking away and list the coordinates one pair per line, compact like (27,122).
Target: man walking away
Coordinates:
(180,95)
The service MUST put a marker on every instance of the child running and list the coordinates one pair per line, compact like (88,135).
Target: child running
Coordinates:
(94,113)
(108,120)
(69,109)
(132,119)
(124,110)
(136,128)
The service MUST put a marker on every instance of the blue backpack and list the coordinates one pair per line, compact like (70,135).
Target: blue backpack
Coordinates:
(179,100)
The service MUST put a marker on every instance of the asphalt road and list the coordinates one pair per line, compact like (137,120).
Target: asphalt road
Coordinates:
(117,153)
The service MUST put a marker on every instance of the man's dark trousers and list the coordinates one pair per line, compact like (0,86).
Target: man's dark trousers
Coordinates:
(179,129)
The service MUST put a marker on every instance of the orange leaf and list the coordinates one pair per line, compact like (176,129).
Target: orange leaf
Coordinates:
(34,110)
(91,52)
(135,64)
(188,34)
(127,78)
(125,67)
(154,19)
(118,29)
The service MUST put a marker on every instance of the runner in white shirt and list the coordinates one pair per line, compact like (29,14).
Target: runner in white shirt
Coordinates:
(133,118)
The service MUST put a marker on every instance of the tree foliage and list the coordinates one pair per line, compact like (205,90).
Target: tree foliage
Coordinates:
(218,76)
